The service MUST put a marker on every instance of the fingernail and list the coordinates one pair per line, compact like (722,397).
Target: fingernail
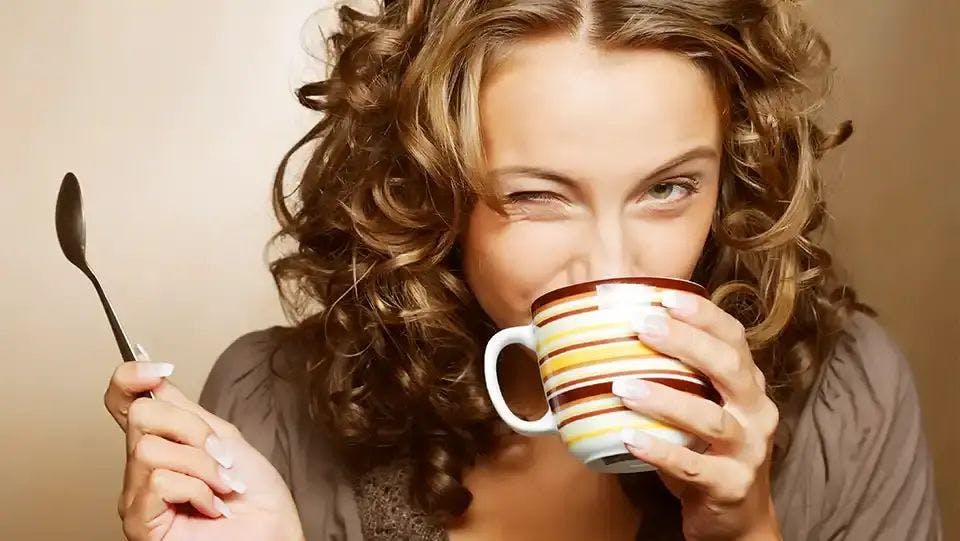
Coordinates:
(635,389)
(219,453)
(235,485)
(679,302)
(634,438)
(150,369)
(221,506)
(652,325)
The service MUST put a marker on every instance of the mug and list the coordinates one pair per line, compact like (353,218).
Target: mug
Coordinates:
(583,337)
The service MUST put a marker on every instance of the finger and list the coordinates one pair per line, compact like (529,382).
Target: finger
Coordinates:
(704,314)
(130,380)
(728,369)
(168,392)
(153,453)
(684,411)
(722,478)
(164,489)
(161,418)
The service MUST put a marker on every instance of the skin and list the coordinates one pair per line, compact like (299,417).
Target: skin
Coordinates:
(618,139)
(595,164)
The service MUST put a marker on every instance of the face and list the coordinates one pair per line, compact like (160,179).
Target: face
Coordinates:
(608,164)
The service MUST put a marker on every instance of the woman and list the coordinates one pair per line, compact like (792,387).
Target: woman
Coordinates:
(474,155)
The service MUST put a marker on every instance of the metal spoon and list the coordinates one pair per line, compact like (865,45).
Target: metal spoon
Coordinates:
(71,232)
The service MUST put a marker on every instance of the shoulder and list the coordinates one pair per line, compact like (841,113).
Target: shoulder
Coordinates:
(241,369)
(857,451)
(256,384)
(252,386)
(866,364)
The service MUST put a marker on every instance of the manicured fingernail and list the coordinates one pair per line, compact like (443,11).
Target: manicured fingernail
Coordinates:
(679,302)
(235,485)
(634,438)
(219,453)
(221,506)
(635,389)
(652,325)
(153,370)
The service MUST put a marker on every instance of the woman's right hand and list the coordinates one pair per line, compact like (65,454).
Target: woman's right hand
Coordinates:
(190,474)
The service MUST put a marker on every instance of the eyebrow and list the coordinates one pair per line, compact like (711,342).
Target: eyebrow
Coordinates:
(699,152)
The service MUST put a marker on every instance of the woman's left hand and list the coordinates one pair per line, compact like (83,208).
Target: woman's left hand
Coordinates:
(725,491)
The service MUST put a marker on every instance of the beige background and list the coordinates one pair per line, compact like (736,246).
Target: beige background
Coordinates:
(173,115)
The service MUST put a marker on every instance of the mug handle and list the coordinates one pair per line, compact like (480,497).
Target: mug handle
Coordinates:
(513,335)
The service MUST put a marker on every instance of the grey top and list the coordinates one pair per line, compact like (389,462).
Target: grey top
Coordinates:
(857,466)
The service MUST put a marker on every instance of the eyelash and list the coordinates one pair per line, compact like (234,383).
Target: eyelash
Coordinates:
(692,185)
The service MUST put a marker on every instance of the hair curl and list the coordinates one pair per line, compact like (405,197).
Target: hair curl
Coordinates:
(373,281)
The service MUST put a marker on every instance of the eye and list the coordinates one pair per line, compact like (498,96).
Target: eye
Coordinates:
(534,197)
(673,190)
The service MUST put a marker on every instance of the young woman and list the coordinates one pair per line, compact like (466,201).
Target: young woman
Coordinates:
(473,155)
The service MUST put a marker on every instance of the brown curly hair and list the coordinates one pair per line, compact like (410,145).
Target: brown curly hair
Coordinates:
(373,279)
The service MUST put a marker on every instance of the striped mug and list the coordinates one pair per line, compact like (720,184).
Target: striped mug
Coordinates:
(584,340)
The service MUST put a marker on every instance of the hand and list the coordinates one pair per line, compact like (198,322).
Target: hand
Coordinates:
(190,474)
(725,491)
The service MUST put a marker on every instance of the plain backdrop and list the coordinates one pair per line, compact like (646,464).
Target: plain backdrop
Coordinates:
(174,115)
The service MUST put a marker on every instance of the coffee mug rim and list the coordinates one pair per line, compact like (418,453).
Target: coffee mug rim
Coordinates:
(584,287)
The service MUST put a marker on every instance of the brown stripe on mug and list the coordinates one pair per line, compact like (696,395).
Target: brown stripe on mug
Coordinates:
(581,345)
(606,387)
(618,374)
(561,300)
(580,311)
(562,315)
(566,293)
(573,403)
(587,415)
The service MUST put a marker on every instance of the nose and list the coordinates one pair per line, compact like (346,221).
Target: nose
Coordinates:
(609,251)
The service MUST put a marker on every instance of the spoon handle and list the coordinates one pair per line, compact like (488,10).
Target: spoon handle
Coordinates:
(126,352)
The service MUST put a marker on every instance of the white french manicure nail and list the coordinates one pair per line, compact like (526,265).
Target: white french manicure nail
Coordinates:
(236,485)
(634,438)
(221,506)
(219,453)
(679,302)
(652,325)
(150,369)
(630,388)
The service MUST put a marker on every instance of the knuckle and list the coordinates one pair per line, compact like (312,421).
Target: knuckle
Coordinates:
(137,411)
(719,425)
(158,481)
(773,417)
(739,485)
(739,331)
(146,448)
(760,377)
(122,505)
(728,365)
(689,463)
(129,529)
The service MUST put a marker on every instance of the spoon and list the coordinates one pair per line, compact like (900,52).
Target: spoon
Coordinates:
(71,232)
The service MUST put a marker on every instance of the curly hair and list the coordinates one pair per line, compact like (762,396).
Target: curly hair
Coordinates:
(373,279)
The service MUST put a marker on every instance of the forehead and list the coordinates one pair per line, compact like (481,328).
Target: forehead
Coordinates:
(564,102)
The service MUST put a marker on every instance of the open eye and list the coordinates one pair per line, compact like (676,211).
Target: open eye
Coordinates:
(672,190)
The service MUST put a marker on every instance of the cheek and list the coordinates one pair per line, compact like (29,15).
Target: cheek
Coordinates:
(509,263)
